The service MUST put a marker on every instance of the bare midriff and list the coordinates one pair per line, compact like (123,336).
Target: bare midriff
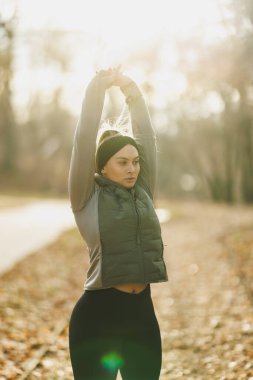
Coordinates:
(131,288)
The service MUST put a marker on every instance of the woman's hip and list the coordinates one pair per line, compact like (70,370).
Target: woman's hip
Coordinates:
(113,306)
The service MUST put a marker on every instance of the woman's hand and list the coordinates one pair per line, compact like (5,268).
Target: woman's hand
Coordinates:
(108,76)
(114,77)
(122,80)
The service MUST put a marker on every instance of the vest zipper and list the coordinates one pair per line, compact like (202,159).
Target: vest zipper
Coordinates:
(138,238)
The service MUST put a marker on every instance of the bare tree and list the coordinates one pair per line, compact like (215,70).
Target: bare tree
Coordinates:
(7,122)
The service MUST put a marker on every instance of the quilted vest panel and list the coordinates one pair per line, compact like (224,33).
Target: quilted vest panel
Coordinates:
(132,247)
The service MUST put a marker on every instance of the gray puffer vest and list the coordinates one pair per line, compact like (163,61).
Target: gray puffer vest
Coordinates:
(132,247)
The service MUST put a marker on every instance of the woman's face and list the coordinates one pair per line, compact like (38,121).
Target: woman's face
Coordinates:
(123,167)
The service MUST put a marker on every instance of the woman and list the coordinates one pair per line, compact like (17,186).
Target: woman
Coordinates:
(113,325)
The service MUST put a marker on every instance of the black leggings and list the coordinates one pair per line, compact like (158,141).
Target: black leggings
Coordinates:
(111,330)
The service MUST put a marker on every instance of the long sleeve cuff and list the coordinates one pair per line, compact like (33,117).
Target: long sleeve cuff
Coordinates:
(131,92)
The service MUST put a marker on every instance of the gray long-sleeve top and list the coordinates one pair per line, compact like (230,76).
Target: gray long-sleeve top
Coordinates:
(83,189)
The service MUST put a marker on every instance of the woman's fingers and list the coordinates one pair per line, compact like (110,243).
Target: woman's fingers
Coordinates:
(113,76)
(109,71)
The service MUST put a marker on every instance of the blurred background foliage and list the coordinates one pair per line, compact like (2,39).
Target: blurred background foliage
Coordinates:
(205,134)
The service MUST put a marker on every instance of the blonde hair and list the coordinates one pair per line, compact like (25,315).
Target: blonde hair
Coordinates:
(119,125)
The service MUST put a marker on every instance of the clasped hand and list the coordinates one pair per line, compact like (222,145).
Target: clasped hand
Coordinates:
(114,77)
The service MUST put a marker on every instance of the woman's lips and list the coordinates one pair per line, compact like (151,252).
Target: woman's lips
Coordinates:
(131,179)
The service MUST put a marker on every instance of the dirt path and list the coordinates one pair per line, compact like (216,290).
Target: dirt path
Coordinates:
(205,316)
(28,228)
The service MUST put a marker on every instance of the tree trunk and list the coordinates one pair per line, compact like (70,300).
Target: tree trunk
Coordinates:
(7,123)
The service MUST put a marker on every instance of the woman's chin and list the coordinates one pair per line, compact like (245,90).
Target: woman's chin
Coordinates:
(129,184)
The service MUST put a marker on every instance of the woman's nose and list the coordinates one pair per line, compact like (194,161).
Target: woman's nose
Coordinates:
(130,168)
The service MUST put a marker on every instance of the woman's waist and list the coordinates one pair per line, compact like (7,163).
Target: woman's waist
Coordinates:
(133,288)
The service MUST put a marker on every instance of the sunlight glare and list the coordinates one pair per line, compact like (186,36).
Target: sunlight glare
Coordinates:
(119,26)
(116,32)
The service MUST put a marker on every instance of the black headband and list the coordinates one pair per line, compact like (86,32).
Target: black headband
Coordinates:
(109,147)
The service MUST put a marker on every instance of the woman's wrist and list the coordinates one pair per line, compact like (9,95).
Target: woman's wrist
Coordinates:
(125,86)
(131,91)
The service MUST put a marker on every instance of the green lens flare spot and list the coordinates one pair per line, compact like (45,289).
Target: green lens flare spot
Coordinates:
(112,361)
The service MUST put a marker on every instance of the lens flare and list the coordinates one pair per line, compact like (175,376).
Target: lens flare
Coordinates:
(112,361)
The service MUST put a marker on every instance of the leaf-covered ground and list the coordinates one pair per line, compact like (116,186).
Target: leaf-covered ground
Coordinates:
(36,298)
(205,310)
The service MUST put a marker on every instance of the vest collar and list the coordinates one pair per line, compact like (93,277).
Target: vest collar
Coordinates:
(104,181)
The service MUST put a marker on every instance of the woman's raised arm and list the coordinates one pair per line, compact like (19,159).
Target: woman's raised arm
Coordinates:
(82,165)
(143,133)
